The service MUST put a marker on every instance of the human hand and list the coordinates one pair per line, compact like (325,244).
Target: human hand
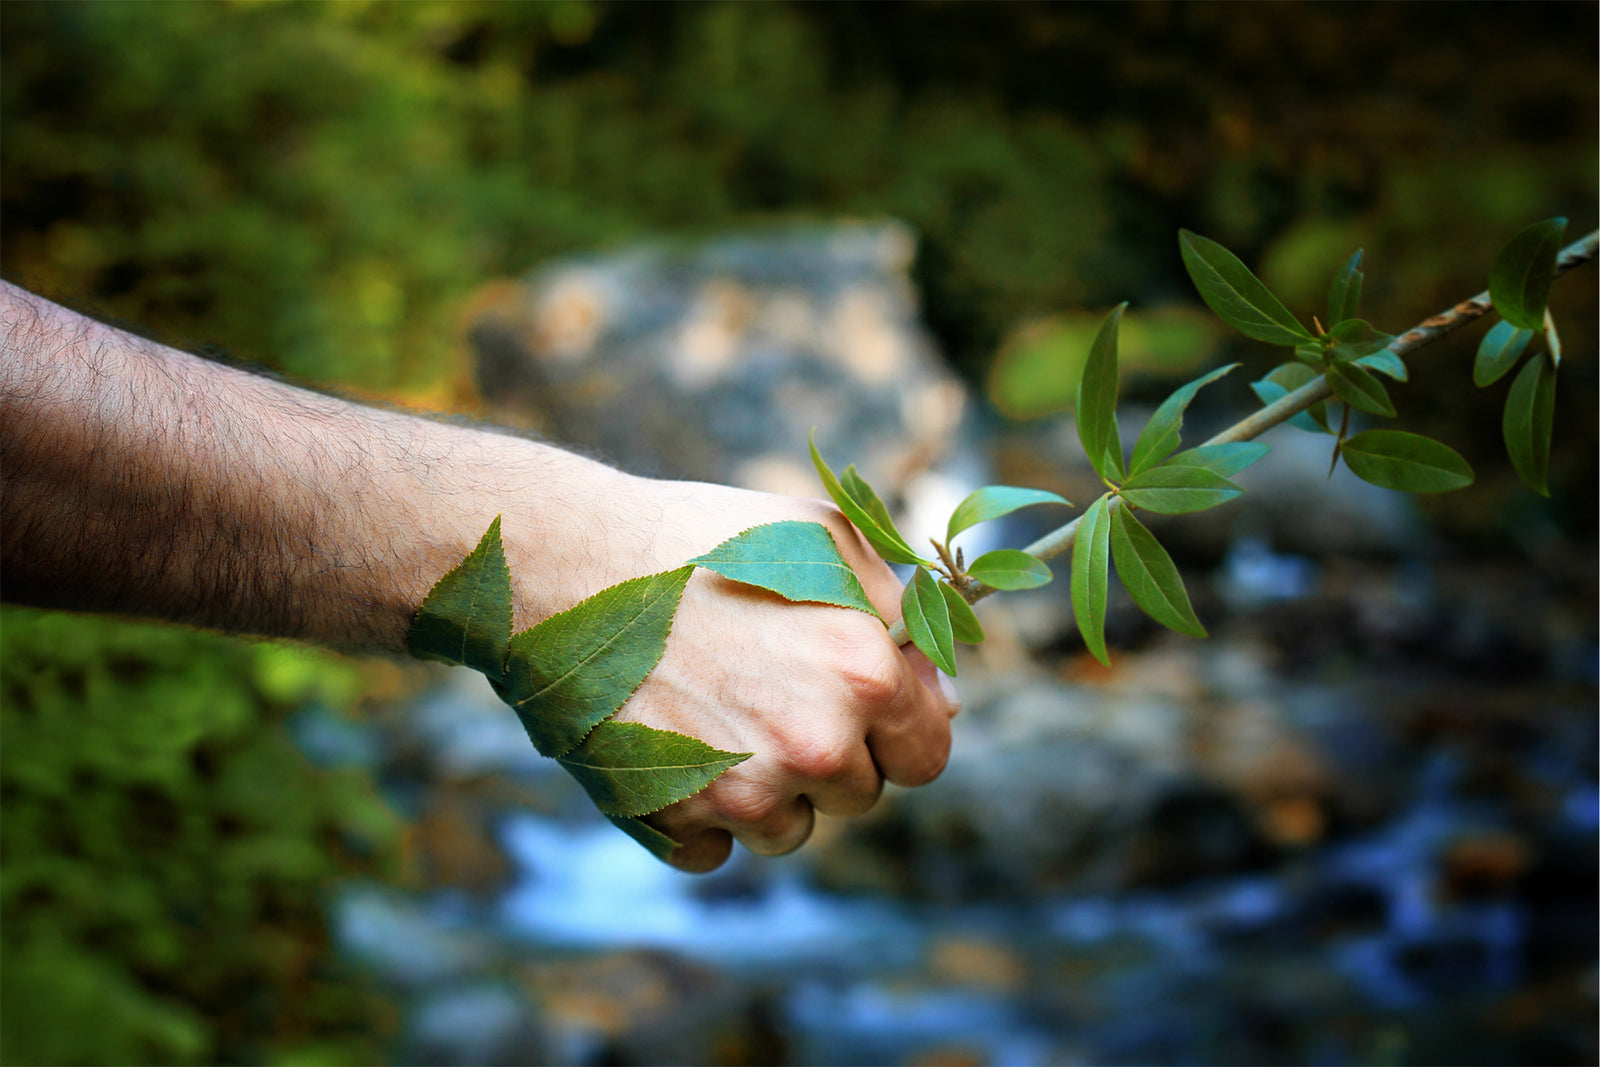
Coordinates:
(829,706)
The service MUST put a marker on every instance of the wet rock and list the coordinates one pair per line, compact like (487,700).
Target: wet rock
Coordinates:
(716,361)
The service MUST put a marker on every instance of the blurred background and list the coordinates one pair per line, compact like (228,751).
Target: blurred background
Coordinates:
(1357,825)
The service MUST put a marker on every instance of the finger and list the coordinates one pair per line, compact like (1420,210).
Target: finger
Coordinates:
(780,835)
(933,678)
(700,851)
(910,736)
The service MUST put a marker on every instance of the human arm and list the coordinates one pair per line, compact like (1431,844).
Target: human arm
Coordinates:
(145,481)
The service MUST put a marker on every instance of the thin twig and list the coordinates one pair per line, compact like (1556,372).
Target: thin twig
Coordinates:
(1424,333)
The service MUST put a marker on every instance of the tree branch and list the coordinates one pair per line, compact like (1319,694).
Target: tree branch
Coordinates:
(1061,540)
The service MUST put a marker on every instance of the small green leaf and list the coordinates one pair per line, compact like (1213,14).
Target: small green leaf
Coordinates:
(927,619)
(1344,295)
(660,845)
(1357,338)
(964,624)
(1162,434)
(630,769)
(1224,460)
(1237,296)
(1528,422)
(1357,387)
(1174,490)
(1150,576)
(1010,568)
(888,543)
(1520,277)
(1312,353)
(1096,409)
(466,617)
(1498,352)
(993,501)
(868,498)
(1398,460)
(1091,556)
(797,560)
(1285,379)
(576,668)
(1386,361)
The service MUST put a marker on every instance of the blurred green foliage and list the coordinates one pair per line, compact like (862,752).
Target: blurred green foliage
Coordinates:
(166,847)
(321,187)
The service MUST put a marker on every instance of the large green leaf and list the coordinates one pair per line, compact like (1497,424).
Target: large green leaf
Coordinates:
(1010,568)
(1162,434)
(630,769)
(1285,379)
(1520,277)
(1174,490)
(1344,295)
(466,617)
(1398,460)
(888,542)
(576,668)
(1225,460)
(1091,556)
(1498,352)
(927,619)
(1528,422)
(1357,387)
(1150,576)
(1096,410)
(797,560)
(993,501)
(964,624)
(1237,296)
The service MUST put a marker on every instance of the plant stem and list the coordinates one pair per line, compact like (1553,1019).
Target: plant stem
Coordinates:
(1424,333)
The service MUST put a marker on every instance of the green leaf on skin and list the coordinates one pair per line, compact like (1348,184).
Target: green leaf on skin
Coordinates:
(1175,490)
(466,617)
(1529,421)
(1096,410)
(630,769)
(1498,352)
(1405,461)
(888,543)
(927,619)
(964,624)
(1285,379)
(574,669)
(1344,295)
(1357,387)
(1237,296)
(1150,576)
(1091,557)
(1010,569)
(1162,434)
(1520,277)
(993,501)
(797,560)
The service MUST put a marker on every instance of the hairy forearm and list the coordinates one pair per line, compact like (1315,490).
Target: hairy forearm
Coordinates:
(145,481)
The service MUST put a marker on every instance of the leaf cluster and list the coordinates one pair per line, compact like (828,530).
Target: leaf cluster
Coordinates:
(567,676)
(937,611)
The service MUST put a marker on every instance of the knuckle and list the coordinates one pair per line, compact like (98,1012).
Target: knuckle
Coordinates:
(818,756)
(761,810)
(876,680)
(932,758)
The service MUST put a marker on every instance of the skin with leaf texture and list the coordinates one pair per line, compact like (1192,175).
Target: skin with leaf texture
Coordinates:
(143,481)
